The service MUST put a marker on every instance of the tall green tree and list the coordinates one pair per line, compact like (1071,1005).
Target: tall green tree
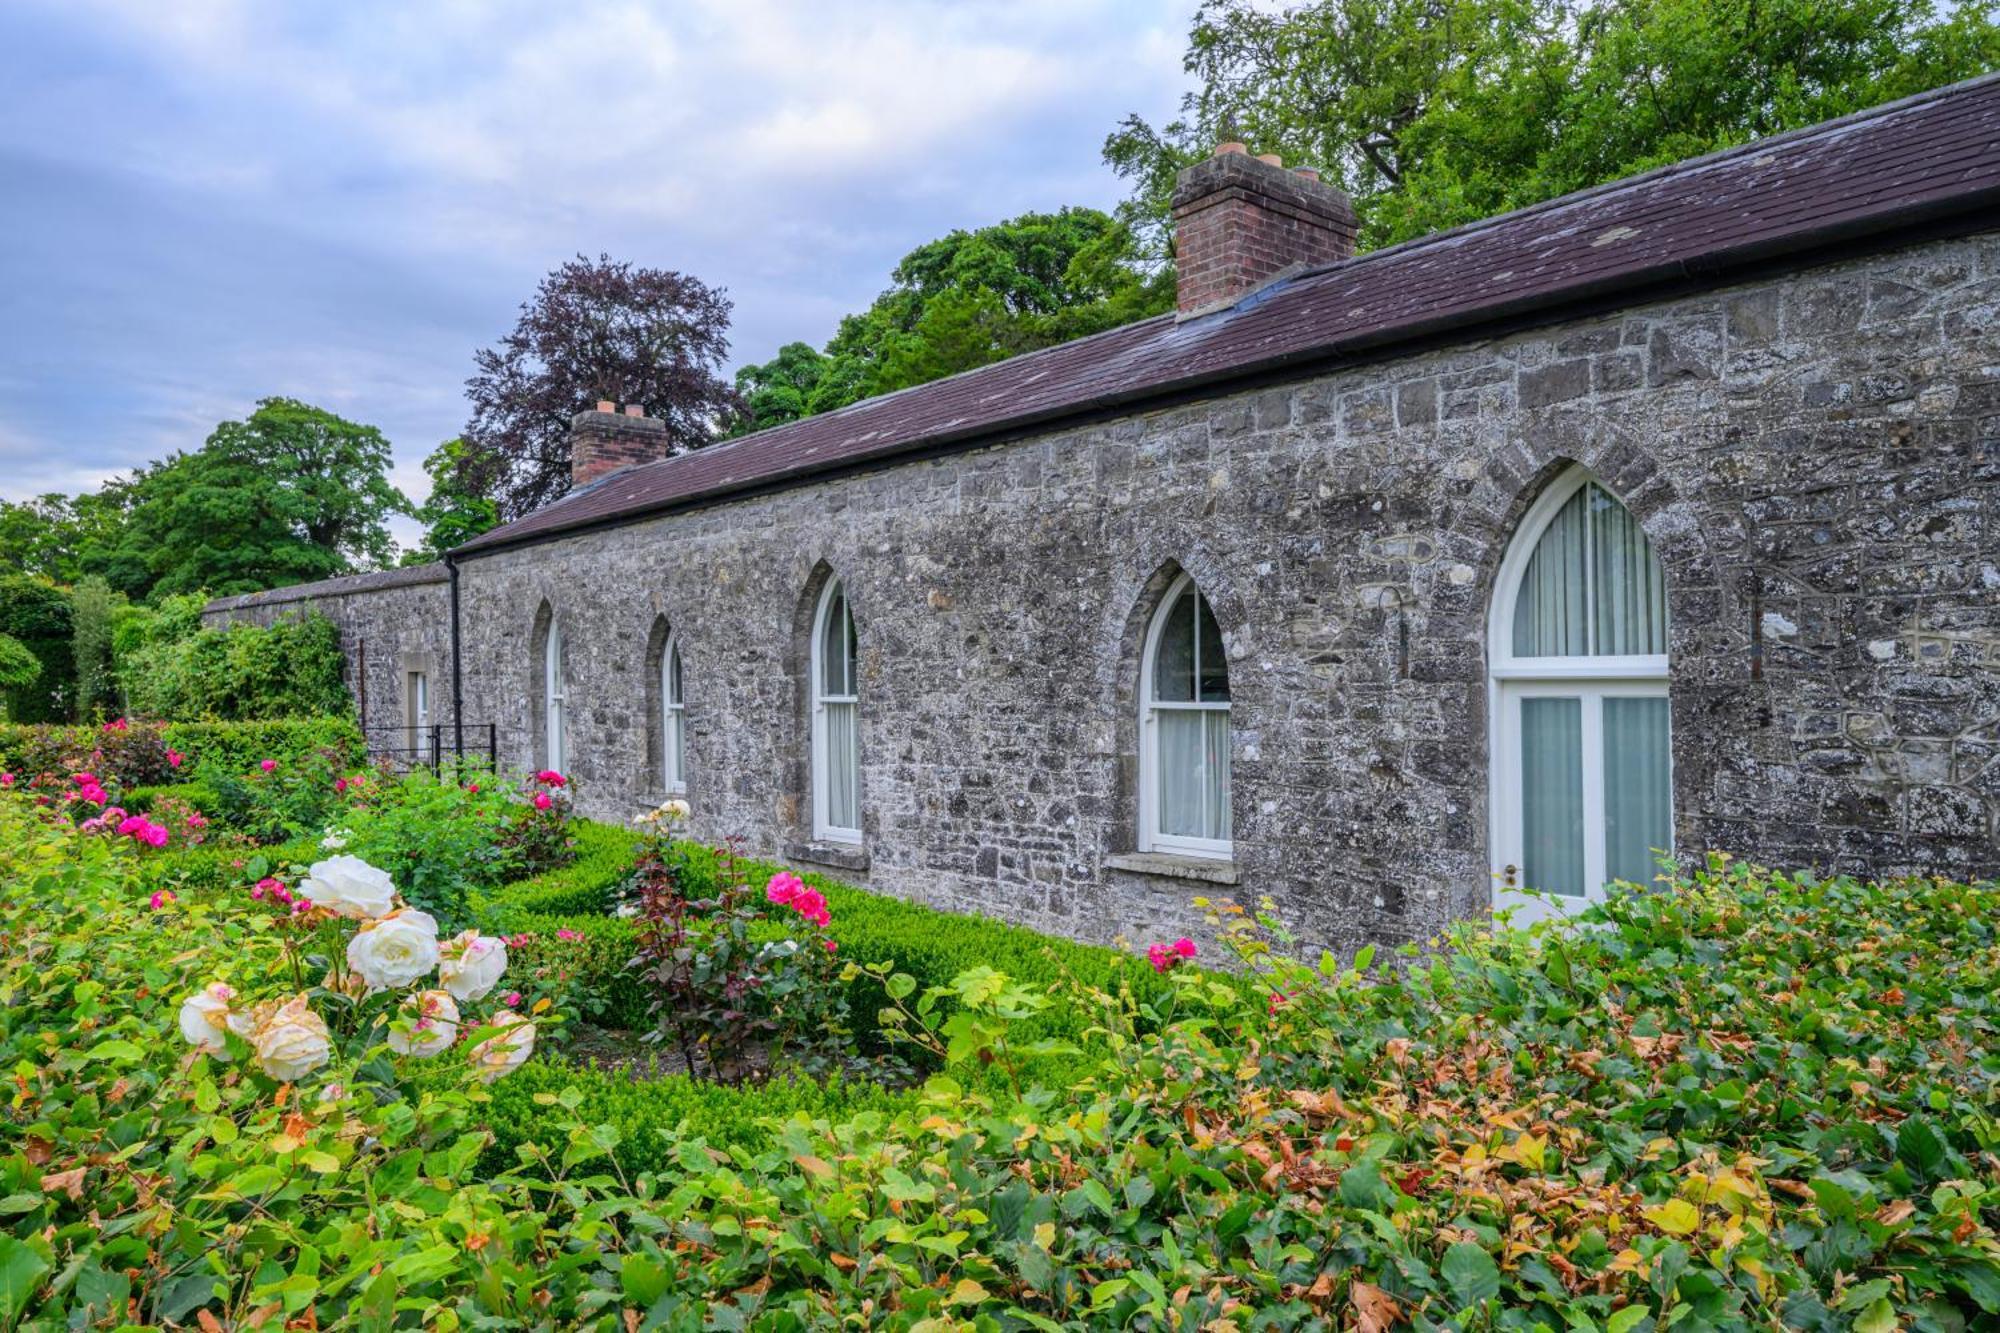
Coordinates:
(19,669)
(962,301)
(90,645)
(454,513)
(62,537)
(293,493)
(35,613)
(1431,113)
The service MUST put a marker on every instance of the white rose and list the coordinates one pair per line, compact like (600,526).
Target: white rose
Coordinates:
(205,1017)
(504,1052)
(470,964)
(349,886)
(676,809)
(395,951)
(433,1019)
(292,1042)
(334,841)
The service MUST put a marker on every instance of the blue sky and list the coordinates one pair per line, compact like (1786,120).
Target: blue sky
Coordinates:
(204,202)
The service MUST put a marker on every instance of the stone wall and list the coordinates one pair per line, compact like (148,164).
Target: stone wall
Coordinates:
(391,623)
(1816,459)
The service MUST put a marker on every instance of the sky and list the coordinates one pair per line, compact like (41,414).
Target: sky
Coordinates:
(208,202)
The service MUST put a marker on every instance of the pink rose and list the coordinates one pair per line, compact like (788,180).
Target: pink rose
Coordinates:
(269,765)
(85,779)
(1184,947)
(513,1000)
(340,784)
(6,779)
(164,898)
(565,933)
(472,787)
(112,814)
(174,758)
(830,945)
(196,821)
(784,887)
(548,777)
(542,801)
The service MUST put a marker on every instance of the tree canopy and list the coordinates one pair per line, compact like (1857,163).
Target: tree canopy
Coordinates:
(963,301)
(594,329)
(293,493)
(1432,113)
(454,513)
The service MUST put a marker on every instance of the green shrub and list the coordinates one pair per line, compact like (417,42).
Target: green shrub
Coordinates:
(241,672)
(601,860)
(653,1115)
(200,795)
(36,613)
(215,870)
(238,747)
(136,754)
(437,833)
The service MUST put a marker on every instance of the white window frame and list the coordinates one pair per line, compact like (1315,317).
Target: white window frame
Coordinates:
(554,701)
(420,713)
(824,830)
(673,718)
(1510,679)
(1151,839)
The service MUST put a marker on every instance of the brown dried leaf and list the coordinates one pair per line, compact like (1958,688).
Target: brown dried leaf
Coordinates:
(1375,1310)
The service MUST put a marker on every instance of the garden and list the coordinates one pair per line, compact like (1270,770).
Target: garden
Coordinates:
(294,1041)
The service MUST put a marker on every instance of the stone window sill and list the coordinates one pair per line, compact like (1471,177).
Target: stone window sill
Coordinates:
(1168,866)
(838,855)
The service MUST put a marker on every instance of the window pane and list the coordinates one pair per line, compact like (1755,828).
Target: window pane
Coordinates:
(1549,612)
(843,768)
(1631,588)
(1193,754)
(850,659)
(1213,660)
(676,749)
(1552,796)
(674,676)
(1638,803)
(1173,658)
(833,646)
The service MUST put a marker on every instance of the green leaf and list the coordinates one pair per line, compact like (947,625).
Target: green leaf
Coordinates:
(900,985)
(1470,1273)
(643,1278)
(1626,1319)
(1919,1147)
(21,1270)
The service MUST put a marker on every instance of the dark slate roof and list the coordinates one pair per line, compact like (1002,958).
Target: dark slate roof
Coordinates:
(403,576)
(1863,178)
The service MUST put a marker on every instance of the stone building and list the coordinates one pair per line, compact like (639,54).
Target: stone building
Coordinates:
(1663,514)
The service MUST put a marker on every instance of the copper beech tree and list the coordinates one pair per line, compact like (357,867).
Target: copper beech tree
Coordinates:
(595,329)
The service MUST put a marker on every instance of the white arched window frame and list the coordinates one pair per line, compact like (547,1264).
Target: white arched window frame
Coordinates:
(554,701)
(1184,740)
(836,720)
(1582,776)
(673,718)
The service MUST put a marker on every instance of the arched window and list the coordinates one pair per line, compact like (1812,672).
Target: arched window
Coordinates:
(555,717)
(1184,729)
(1582,771)
(673,723)
(836,737)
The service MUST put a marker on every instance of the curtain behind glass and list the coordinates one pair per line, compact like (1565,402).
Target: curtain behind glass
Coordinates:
(1552,795)
(1638,805)
(1194,773)
(843,767)
(1593,586)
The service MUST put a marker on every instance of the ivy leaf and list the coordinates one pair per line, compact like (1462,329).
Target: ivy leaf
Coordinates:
(1470,1273)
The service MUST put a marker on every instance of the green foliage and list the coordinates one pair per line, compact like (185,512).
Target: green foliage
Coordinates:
(439,838)
(601,861)
(238,747)
(200,795)
(1435,114)
(960,302)
(19,668)
(36,613)
(90,620)
(294,493)
(295,797)
(455,512)
(1742,1100)
(61,537)
(241,672)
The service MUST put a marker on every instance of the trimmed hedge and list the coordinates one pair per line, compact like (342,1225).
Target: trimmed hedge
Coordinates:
(219,869)
(139,800)
(603,858)
(651,1114)
(135,755)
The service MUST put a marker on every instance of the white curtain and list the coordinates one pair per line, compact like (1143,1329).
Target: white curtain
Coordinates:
(1593,587)
(1638,805)
(843,767)
(554,702)
(1552,795)
(1194,773)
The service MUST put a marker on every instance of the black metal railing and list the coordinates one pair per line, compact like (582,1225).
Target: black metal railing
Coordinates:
(424,747)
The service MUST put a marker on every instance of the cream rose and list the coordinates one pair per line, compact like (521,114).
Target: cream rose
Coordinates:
(205,1018)
(292,1041)
(504,1052)
(395,951)
(470,964)
(432,1017)
(348,886)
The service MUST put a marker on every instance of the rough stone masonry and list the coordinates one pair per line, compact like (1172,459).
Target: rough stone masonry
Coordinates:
(1813,451)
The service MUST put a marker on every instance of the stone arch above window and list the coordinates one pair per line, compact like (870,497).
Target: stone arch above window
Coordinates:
(1577,647)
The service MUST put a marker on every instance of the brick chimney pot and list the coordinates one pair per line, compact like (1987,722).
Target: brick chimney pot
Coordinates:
(605,441)
(1240,222)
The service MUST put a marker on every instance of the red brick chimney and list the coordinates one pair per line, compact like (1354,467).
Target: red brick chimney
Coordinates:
(1240,221)
(603,442)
